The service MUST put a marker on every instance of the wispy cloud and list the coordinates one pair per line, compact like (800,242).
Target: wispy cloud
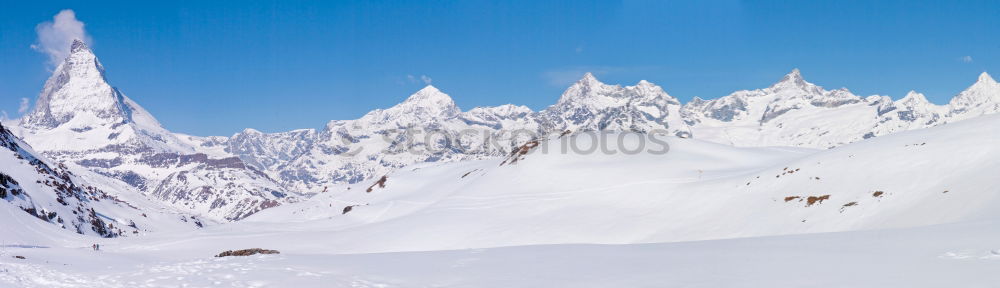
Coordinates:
(24,106)
(965,59)
(55,37)
(426,80)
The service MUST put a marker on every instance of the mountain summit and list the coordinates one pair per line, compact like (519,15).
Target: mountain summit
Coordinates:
(793,78)
(80,119)
(986,78)
(77,87)
(78,100)
(431,101)
(983,97)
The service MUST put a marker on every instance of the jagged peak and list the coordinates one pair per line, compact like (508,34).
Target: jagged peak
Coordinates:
(79,46)
(984,84)
(985,78)
(78,84)
(795,73)
(914,96)
(793,78)
(588,78)
(984,91)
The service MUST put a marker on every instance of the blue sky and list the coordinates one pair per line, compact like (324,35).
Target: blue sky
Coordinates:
(216,67)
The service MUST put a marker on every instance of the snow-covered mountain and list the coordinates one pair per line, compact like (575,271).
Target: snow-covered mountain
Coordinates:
(981,98)
(794,112)
(426,127)
(429,127)
(590,105)
(424,175)
(80,119)
(53,193)
(791,112)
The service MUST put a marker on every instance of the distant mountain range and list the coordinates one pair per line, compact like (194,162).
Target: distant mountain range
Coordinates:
(81,120)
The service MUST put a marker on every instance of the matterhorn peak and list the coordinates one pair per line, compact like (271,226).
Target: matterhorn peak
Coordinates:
(76,86)
(78,46)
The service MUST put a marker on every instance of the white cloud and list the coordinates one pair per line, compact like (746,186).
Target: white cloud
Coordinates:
(579,49)
(419,79)
(55,37)
(966,59)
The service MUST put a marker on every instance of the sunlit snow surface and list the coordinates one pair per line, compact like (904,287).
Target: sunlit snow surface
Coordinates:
(924,214)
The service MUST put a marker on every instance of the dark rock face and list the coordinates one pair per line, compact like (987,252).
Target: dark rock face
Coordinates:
(73,200)
(247,252)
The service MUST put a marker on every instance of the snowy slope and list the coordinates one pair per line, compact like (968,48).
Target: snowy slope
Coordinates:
(957,255)
(939,180)
(697,191)
(57,197)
